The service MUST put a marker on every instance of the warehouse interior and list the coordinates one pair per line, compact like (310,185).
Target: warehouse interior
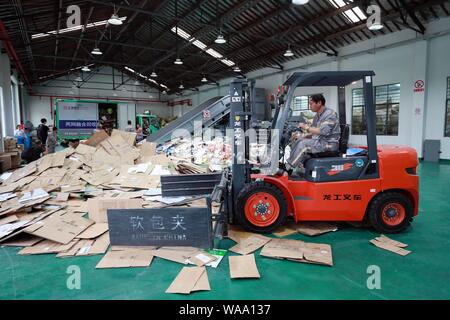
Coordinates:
(140,60)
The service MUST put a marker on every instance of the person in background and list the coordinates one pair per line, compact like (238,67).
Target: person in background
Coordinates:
(73,143)
(26,139)
(18,132)
(34,152)
(129,127)
(98,128)
(52,140)
(42,131)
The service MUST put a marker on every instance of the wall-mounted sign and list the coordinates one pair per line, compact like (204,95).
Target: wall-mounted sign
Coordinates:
(419,86)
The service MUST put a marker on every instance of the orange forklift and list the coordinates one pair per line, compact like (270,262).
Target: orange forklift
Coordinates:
(378,185)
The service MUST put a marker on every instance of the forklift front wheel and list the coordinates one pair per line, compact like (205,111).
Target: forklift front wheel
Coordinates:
(261,207)
(391,212)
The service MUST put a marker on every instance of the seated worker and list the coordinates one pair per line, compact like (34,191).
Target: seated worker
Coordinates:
(322,136)
(33,152)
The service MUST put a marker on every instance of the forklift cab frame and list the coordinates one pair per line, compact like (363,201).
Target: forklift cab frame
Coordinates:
(340,79)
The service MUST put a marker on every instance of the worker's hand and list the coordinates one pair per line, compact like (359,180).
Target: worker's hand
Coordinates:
(303,126)
(295,136)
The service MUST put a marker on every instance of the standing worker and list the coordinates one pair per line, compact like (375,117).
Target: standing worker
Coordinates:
(52,140)
(42,131)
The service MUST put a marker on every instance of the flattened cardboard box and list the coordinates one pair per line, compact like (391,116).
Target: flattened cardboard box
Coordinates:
(190,279)
(243,267)
(126,259)
(299,251)
(62,229)
(250,244)
(315,228)
(47,246)
(98,207)
(388,244)
(94,231)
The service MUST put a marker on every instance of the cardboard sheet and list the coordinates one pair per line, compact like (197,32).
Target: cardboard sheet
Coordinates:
(94,231)
(126,259)
(62,229)
(250,244)
(175,254)
(315,228)
(388,244)
(98,207)
(47,246)
(190,279)
(299,251)
(243,267)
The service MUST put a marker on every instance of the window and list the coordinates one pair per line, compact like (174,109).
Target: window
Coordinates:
(447,111)
(387,107)
(300,103)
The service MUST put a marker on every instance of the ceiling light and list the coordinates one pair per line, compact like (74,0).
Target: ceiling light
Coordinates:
(115,94)
(204,79)
(288,52)
(136,83)
(153,75)
(376,26)
(181,86)
(237,69)
(220,39)
(178,61)
(164,92)
(115,20)
(86,69)
(300,2)
(96,51)
(78,79)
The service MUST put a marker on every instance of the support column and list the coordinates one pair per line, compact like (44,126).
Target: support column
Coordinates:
(418,88)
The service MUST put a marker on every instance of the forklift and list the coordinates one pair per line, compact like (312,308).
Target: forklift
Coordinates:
(379,185)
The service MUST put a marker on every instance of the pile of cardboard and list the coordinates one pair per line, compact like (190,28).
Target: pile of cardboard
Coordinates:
(58,203)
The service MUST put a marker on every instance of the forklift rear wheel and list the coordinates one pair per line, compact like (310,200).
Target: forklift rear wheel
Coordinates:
(391,212)
(261,207)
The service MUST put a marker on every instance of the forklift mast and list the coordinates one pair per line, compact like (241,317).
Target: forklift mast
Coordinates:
(240,116)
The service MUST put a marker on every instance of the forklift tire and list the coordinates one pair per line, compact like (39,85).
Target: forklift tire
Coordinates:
(261,207)
(391,212)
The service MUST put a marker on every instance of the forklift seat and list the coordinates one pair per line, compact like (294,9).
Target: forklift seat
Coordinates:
(343,142)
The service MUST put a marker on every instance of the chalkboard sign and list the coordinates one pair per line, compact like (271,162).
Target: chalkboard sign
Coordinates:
(160,227)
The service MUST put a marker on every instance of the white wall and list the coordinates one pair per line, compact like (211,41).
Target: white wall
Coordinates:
(400,57)
(437,73)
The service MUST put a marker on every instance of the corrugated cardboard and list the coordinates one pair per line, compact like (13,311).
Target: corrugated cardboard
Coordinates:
(284,231)
(126,259)
(175,254)
(22,172)
(22,240)
(6,158)
(74,249)
(62,229)
(315,228)
(299,251)
(100,245)
(188,280)
(62,196)
(8,219)
(250,244)
(129,137)
(94,231)
(96,138)
(282,248)
(47,246)
(98,207)
(388,244)
(243,267)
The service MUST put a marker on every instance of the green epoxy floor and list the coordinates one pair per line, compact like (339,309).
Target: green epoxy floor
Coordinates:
(424,274)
